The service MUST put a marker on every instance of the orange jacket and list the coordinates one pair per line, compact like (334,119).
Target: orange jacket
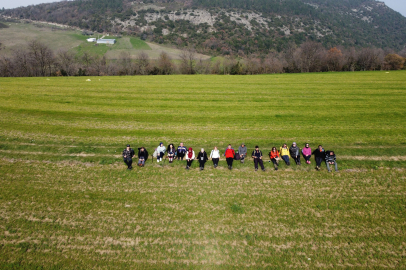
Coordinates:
(230,153)
(273,155)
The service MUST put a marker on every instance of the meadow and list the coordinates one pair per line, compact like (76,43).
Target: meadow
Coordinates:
(18,35)
(68,202)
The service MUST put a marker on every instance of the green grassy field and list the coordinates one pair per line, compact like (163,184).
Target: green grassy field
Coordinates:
(67,201)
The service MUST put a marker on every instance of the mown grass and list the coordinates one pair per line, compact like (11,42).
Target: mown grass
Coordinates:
(67,201)
(139,44)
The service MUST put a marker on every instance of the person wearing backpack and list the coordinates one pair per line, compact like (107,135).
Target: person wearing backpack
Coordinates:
(307,153)
(331,160)
(171,152)
(319,155)
(229,156)
(190,156)
(215,156)
(242,150)
(284,152)
(294,152)
(160,152)
(202,157)
(142,156)
(128,154)
(274,157)
(181,151)
(257,156)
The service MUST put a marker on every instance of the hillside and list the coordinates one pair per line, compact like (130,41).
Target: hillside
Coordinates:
(15,36)
(230,27)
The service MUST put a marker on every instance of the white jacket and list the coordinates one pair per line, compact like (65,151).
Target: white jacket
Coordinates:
(187,155)
(215,154)
(161,149)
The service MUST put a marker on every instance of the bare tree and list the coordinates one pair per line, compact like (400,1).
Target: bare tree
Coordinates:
(252,66)
(126,64)
(290,58)
(202,66)
(350,59)
(22,63)
(87,59)
(273,64)
(6,67)
(228,64)
(187,57)
(66,62)
(143,64)
(165,64)
(309,56)
(42,58)
(98,66)
(370,59)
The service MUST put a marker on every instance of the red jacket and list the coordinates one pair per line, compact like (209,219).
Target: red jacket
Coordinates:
(230,153)
(273,155)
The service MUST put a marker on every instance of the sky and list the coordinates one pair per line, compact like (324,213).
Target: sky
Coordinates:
(398,5)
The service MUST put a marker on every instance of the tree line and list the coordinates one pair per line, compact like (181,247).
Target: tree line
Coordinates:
(38,60)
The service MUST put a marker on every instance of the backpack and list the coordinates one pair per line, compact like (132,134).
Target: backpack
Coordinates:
(237,156)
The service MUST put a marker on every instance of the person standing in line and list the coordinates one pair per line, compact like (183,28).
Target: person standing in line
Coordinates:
(142,156)
(319,155)
(215,156)
(190,156)
(284,152)
(242,150)
(128,155)
(331,160)
(160,152)
(307,153)
(274,157)
(230,156)
(181,151)
(295,153)
(171,152)
(257,156)
(202,157)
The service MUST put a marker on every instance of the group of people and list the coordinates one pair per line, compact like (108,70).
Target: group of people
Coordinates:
(284,153)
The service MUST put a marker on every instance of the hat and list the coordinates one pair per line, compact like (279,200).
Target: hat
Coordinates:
(128,145)
(294,143)
(243,144)
(161,143)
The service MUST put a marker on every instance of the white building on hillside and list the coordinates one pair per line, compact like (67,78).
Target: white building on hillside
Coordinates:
(91,40)
(106,41)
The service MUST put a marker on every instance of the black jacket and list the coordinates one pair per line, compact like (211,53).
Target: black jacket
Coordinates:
(294,151)
(202,155)
(128,154)
(145,154)
(319,154)
(330,158)
(254,152)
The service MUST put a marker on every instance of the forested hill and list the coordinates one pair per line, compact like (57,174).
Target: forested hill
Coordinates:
(233,26)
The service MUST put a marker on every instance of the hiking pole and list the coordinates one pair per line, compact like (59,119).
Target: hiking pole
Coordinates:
(164,161)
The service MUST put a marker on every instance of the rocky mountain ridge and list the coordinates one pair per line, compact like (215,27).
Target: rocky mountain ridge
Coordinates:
(233,27)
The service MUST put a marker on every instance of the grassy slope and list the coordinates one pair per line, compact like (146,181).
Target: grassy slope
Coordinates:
(59,197)
(18,34)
